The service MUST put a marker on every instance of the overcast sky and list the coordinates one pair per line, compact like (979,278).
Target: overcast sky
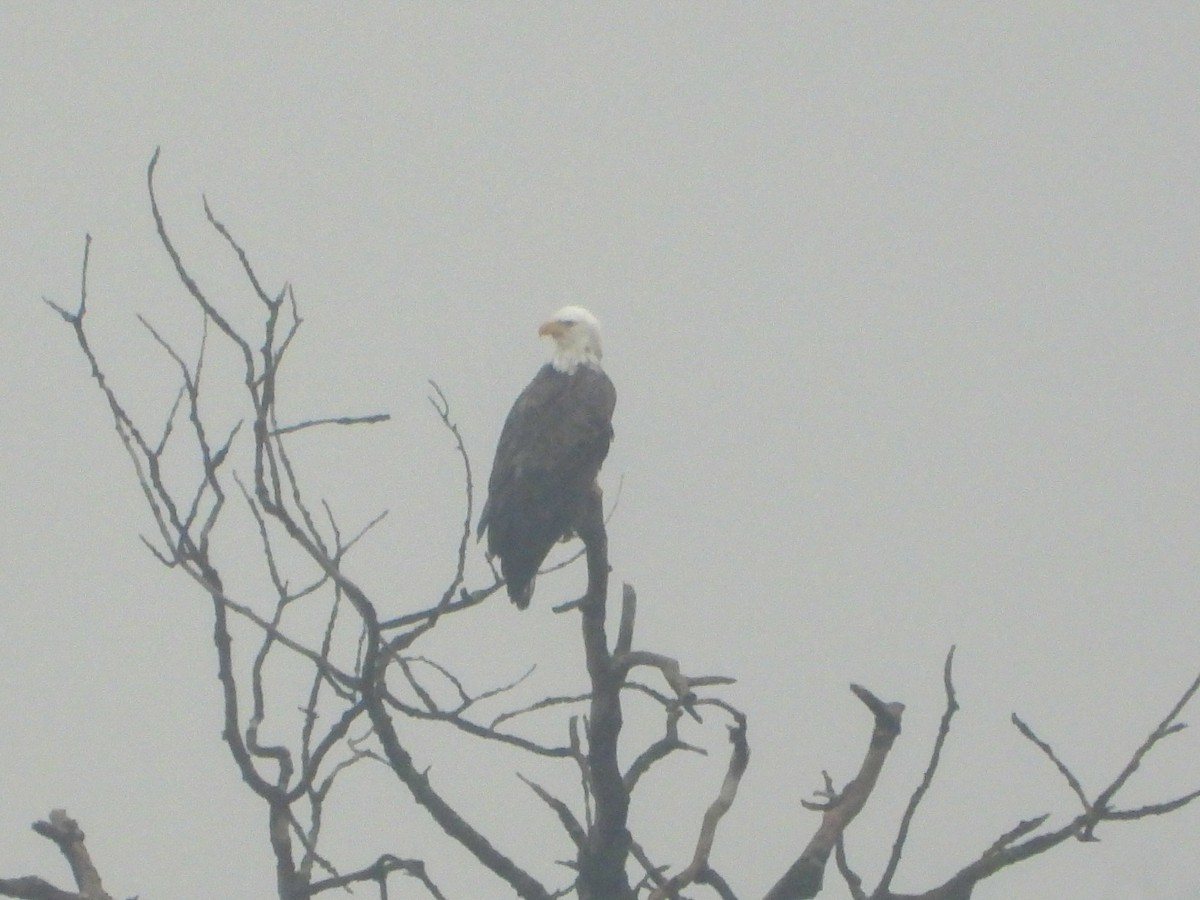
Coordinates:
(901,306)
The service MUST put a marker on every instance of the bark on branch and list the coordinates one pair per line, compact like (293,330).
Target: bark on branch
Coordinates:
(66,833)
(698,869)
(805,876)
(602,858)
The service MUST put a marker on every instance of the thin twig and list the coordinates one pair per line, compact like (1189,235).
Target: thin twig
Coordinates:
(918,795)
(332,420)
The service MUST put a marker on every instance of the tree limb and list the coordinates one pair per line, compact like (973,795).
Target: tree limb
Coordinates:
(804,877)
(738,761)
(66,833)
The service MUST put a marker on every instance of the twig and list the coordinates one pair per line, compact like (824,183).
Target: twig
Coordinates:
(566,818)
(738,761)
(943,733)
(1058,763)
(332,420)
(1165,728)
(378,872)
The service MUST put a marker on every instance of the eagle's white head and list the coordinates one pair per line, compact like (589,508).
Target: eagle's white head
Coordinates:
(576,334)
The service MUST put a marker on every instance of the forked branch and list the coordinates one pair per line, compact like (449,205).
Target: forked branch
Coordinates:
(66,833)
(805,876)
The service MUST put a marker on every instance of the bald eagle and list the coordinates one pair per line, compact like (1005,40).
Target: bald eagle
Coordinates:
(551,449)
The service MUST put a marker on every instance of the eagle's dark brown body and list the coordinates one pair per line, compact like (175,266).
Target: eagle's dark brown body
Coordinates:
(551,449)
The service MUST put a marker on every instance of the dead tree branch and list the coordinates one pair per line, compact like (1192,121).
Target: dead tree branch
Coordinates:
(293,776)
(927,779)
(602,859)
(699,867)
(805,876)
(69,837)
(378,872)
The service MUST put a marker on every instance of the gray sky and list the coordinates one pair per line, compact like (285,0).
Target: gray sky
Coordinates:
(900,303)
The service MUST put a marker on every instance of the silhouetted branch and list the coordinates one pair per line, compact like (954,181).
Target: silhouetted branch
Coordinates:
(602,860)
(943,733)
(657,751)
(442,406)
(378,872)
(570,824)
(716,881)
(738,761)
(1072,781)
(69,837)
(1021,842)
(805,876)
(1165,728)
(852,879)
(281,430)
(653,874)
(284,519)
(30,887)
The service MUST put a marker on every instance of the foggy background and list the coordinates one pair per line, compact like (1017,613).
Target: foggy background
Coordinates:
(900,304)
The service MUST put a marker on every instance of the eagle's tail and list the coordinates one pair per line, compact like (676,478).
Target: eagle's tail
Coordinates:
(483,520)
(521,594)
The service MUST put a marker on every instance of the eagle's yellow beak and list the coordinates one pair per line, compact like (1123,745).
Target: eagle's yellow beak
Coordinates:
(553,328)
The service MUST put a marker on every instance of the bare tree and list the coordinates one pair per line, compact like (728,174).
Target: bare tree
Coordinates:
(368,678)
